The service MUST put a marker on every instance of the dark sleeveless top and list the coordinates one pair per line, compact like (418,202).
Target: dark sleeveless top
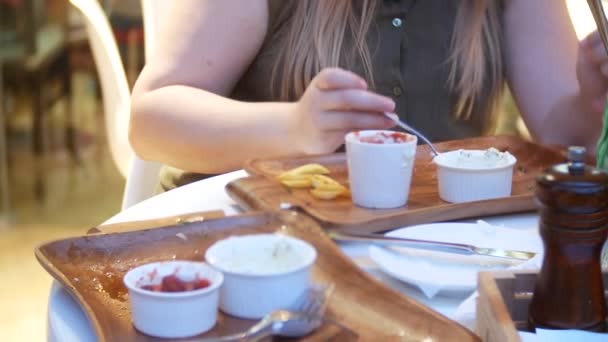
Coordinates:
(409,43)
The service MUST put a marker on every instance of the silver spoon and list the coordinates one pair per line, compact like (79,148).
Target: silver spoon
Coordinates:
(597,9)
(412,130)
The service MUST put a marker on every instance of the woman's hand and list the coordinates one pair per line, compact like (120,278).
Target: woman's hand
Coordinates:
(592,72)
(336,102)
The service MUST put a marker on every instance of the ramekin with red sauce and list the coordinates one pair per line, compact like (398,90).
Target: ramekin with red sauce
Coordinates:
(174,299)
(380,165)
(383,137)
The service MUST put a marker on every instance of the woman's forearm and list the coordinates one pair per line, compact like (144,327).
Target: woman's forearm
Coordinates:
(199,131)
(568,123)
(541,66)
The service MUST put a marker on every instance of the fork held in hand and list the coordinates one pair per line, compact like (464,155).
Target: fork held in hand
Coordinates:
(301,320)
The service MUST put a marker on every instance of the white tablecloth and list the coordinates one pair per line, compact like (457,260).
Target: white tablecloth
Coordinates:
(67,322)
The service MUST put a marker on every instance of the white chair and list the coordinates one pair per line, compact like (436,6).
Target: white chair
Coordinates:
(142,176)
(151,10)
(142,182)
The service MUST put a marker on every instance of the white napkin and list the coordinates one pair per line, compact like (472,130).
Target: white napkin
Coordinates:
(427,269)
(433,271)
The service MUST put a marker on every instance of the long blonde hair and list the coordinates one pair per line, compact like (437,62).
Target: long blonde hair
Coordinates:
(317,30)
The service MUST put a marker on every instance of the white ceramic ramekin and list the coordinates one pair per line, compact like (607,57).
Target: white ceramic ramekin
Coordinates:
(458,183)
(379,174)
(173,314)
(253,294)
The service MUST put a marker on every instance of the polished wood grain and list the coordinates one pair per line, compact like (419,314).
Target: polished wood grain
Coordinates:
(504,301)
(91,268)
(262,191)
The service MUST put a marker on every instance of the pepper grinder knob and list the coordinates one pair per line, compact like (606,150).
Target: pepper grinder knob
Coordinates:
(576,160)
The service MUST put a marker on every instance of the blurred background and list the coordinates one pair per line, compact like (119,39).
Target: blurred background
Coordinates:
(57,173)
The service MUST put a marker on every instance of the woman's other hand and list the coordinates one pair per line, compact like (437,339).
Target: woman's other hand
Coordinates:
(336,102)
(592,72)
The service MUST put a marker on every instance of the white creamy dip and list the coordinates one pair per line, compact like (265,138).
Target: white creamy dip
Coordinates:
(475,159)
(261,254)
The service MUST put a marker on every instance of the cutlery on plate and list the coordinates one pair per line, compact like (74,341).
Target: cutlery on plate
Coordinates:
(304,318)
(395,119)
(447,247)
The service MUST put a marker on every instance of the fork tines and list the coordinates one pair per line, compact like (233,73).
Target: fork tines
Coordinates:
(313,301)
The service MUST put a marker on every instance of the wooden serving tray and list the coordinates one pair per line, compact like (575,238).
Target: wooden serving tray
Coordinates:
(502,305)
(91,268)
(262,191)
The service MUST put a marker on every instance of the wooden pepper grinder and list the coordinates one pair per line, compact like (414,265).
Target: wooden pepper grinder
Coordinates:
(569,292)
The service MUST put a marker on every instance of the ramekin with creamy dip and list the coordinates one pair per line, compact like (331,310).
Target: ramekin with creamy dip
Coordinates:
(262,272)
(474,175)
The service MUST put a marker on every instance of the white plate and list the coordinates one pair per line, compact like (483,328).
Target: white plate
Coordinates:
(451,274)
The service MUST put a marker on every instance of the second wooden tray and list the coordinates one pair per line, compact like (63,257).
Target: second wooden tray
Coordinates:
(91,268)
(262,191)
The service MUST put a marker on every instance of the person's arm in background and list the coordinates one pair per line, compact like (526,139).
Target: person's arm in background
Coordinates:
(541,51)
(182,117)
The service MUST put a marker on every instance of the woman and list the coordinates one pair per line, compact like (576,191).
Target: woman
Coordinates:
(231,80)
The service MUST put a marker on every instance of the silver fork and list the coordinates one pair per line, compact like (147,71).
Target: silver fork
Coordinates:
(301,320)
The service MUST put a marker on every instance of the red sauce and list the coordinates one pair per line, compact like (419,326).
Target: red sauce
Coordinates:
(172,283)
(385,138)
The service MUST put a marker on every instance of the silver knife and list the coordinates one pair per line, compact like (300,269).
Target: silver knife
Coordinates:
(448,247)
